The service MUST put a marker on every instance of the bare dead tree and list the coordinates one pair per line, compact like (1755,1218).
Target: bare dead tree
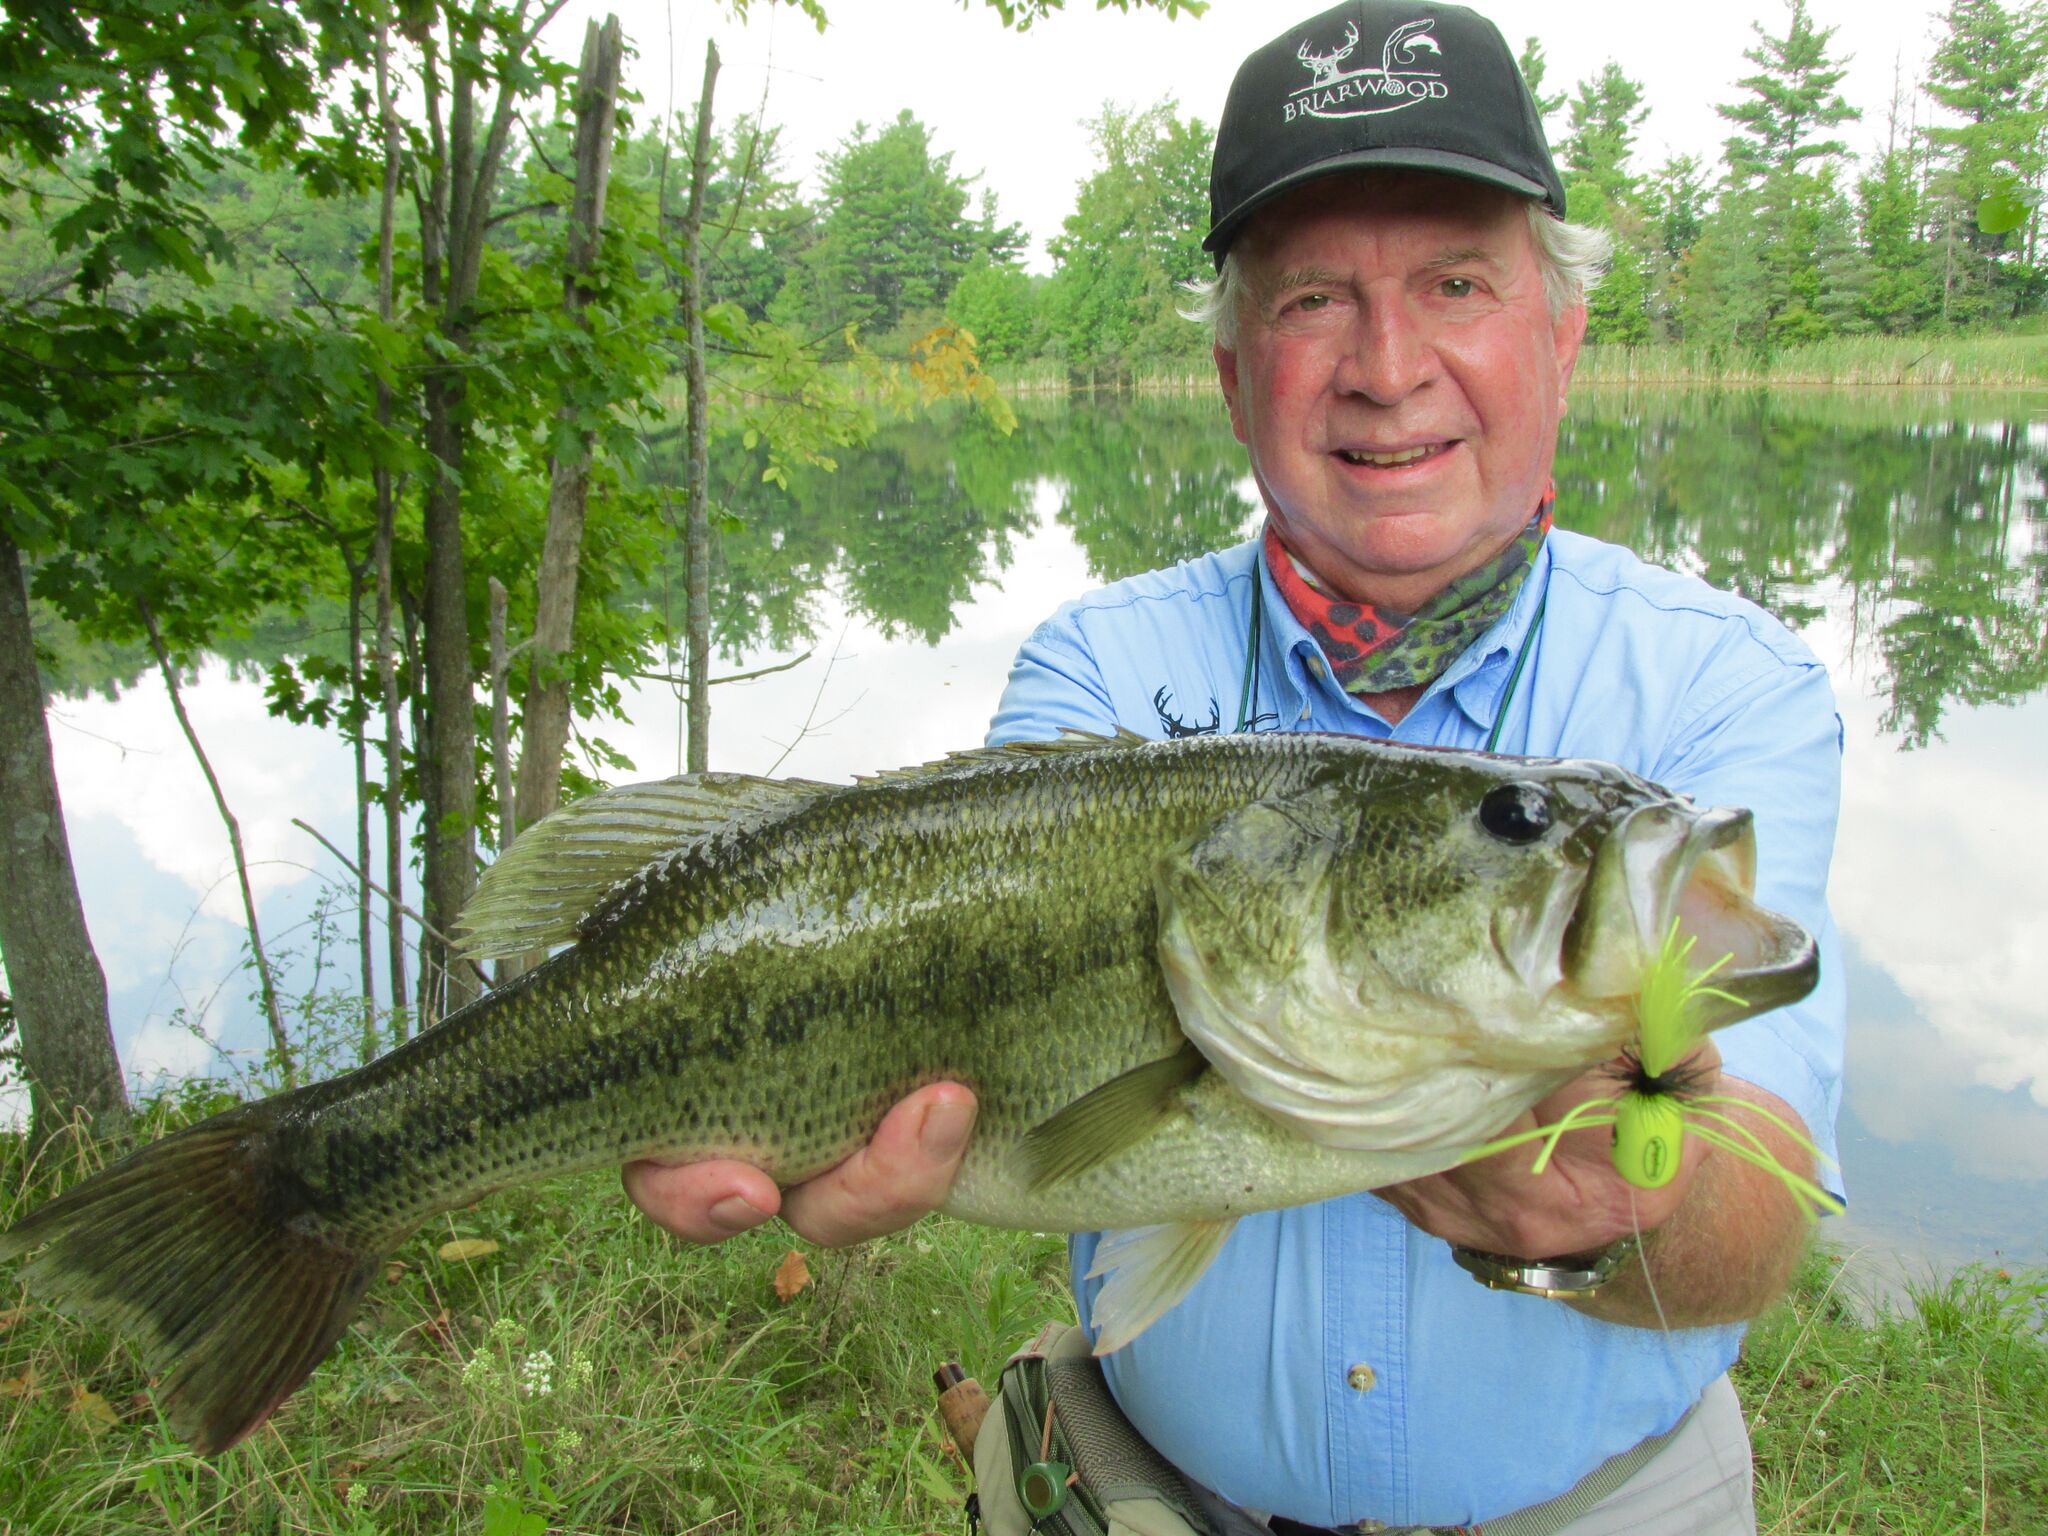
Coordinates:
(697,513)
(545,716)
(279,1040)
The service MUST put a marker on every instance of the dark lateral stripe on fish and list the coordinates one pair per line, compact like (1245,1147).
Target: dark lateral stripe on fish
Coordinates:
(501,1094)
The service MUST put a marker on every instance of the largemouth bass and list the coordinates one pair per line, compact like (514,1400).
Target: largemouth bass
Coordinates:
(1185,980)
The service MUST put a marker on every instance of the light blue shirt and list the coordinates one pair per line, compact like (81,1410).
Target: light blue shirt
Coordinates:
(1474,1402)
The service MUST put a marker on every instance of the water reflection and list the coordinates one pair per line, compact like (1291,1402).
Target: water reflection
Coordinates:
(1925,515)
(1929,515)
(906,528)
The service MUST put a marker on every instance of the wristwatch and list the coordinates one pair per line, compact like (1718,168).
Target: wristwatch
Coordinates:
(1573,1275)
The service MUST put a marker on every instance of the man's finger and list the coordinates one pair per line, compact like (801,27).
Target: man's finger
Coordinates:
(703,1202)
(901,1174)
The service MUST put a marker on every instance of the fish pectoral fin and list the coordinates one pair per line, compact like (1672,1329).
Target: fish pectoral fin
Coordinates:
(1150,1269)
(1108,1120)
(561,869)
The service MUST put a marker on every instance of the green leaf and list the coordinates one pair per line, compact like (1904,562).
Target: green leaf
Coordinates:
(2005,208)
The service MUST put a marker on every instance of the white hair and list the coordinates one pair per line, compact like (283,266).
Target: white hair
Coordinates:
(1572,257)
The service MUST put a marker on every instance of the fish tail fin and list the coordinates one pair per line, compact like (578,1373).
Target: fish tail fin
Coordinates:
(207,1249)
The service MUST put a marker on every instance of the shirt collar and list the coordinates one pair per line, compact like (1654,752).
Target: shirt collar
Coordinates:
(1477,679)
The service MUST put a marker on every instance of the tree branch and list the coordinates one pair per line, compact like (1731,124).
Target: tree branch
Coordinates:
(425,926)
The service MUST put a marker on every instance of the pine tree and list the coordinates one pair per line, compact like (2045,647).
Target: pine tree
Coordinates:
(1605,114)
(1674,207)
(1783,171)
(1988,70)
(1532,65)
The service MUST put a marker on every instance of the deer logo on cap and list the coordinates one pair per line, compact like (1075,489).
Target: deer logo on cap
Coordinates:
(1398,82)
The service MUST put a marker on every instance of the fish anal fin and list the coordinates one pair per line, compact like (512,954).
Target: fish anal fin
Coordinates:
(1108,1119)
(1149,1270)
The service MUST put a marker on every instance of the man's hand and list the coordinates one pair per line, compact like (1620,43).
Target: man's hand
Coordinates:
(901,1174)
(1728,1234)
(1578,1203)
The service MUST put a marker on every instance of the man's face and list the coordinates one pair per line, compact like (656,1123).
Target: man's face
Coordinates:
(1397,378)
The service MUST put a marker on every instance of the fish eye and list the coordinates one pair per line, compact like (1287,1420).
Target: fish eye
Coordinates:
(1515,813)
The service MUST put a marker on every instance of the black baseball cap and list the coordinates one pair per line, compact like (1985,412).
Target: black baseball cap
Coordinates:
(1371,84)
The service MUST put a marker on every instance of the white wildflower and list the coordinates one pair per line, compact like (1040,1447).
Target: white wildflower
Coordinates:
(537,1374)
(580,1371)
(568,1443)
(356,1497)
(481,1370)
(506,1332)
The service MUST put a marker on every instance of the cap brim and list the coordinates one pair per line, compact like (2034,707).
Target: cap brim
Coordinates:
(1401,159)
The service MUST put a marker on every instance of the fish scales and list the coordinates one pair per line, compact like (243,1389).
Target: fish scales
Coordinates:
(1185,980)
(683,1027)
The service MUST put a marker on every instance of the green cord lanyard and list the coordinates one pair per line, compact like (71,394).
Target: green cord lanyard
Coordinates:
(1248,695)
(1500,715)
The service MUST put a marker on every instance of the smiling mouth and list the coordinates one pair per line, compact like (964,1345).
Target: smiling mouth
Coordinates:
(1391,460)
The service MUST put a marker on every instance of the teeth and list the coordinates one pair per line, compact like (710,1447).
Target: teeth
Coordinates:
(1406,455)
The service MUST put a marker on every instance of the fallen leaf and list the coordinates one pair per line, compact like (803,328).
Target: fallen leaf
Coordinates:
(394,1270)
(19,1386)
(792,1275)
(97,1412)
(467,1248)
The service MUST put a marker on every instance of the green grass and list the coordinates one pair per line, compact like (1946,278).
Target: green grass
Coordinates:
(591,1376)
(2001,361)
(1927,1418)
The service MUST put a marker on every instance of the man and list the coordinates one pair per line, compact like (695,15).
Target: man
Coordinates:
(1397,314)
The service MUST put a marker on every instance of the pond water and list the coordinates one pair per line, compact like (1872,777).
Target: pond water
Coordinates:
(1901,534)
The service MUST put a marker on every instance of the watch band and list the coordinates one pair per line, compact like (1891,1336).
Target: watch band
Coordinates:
(1573,1275)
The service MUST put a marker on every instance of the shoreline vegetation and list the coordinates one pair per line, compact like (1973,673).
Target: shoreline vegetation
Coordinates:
(1850,362)
(548,1362)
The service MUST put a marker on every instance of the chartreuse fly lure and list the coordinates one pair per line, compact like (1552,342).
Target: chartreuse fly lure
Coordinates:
(1659,1104)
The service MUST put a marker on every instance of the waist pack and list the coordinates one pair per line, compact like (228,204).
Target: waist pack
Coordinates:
(1056,1455)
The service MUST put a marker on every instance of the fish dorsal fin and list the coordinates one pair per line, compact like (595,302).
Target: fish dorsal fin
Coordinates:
(560,869)
(1068,741)
(1110,1119)
(1150,1269)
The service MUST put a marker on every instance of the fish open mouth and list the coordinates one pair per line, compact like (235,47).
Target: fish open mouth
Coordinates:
(1668,860)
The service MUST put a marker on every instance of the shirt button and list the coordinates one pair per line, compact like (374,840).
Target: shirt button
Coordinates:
(1304,711)
(1315,666)
(1361,1377)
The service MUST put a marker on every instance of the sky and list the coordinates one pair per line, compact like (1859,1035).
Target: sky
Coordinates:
(1011,107)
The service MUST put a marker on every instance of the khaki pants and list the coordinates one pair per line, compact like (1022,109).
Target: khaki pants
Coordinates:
(1697,1484)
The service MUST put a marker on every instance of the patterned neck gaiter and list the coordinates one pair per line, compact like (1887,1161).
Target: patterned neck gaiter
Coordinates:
(1375,650)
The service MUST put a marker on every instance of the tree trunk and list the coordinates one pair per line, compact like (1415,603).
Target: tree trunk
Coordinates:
(416,718)
(448,776)
(546,712)
(454,205)
(387,652)
(60,993)
(360,732)
(698,514)
(501,715)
